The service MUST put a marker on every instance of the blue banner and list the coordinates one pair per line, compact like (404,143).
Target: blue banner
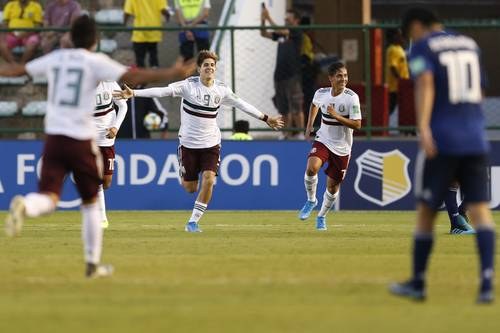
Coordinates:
(252,175)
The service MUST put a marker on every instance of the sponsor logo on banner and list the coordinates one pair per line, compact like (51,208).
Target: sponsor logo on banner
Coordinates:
(382,178)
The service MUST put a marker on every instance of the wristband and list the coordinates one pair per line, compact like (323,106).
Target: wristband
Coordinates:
(266,117)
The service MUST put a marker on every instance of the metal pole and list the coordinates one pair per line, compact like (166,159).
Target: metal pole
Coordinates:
(368,83)
(233,70)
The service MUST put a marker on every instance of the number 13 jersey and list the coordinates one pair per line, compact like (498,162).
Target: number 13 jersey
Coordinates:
(73,75)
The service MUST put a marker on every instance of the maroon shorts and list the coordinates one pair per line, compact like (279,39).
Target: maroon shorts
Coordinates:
(108,159)
(337,165)
(62,155)
(194,161)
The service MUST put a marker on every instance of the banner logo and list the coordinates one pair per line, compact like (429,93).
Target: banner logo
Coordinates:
(382,178)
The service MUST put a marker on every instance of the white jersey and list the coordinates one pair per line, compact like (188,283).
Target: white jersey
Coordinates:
(73,75)
(335,136)
(105,116)
(199,108)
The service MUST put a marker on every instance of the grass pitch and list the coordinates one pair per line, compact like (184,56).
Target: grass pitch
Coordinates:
(247,272)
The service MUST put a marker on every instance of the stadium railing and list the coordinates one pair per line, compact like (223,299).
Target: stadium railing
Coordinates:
(367,79)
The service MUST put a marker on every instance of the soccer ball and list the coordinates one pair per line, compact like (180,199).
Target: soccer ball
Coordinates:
(152,121)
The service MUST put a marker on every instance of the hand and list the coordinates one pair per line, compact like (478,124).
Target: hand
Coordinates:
(184,68)
(427,143)
(126,93)
(307,134)
(331,111)
(189,35)
(111,133)
(264,14)
(275,122)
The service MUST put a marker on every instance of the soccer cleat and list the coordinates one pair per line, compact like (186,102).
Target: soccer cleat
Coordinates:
(321,223)
(105,224)
(15,218)
(408,290)
(306,211)
(485,297)
(94,271)
(459,226)
(192,227)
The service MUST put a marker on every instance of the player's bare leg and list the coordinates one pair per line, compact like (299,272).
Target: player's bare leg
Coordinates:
(414,288)
(106,183)
(31,205)
(329,197)
(201,203)
(310,183)
(483,222)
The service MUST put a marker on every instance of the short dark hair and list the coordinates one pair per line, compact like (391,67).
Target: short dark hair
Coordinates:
(84,32)
(241,126)
(206,54)
(333,68)
(295,13)
(418,14)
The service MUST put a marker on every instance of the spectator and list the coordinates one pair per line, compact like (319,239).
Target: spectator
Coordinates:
(146,14)
(21,14)
(287,74)
(58,14)
(241,128)
(133,125)
(396,67)
(192,13)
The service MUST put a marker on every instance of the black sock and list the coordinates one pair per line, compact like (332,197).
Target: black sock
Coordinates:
(421,250)
(450,200)
(486,247)
(462,209)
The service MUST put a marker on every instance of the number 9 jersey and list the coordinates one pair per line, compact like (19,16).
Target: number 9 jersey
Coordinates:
(73,75)
(457,121)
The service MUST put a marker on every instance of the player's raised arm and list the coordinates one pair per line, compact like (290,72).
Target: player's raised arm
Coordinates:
(313,112)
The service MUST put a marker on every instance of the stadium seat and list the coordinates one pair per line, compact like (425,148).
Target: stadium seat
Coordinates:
(8,108)
(109,16)
(107,45)
(35,108)
(14,81)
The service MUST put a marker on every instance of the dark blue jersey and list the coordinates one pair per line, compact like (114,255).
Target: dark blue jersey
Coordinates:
(457,121)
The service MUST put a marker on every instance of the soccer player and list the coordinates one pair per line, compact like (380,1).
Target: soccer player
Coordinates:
(340,115)
(107,123)
(199,135)
(73,75)
(447,73)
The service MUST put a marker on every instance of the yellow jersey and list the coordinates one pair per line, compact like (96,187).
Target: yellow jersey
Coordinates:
(146,14)
(31,16)
(395,57)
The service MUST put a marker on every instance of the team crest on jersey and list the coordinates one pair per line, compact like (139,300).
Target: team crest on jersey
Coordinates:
(382,178)
(217,99)
(341,108)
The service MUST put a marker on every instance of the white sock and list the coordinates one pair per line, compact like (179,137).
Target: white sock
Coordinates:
(311,183)
(198,210)
(328,201)
(102,203)
(91,233)
(37,204)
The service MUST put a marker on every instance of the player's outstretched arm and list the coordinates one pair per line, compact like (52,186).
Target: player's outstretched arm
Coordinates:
(313,112)
(13,70)
(275,123)
(179,70)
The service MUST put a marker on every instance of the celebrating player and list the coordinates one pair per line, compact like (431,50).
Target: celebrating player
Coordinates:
(73,75)
(447,74)
(199,135)
(107,123)
(340,115)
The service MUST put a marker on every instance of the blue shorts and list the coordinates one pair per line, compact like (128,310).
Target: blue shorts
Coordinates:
(434,176)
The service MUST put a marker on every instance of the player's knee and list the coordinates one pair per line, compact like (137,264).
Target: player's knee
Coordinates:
(106,183)
(311,171)
(208,179)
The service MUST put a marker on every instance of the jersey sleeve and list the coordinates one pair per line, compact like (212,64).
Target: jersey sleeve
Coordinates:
(154,92)
(355,108)
(38,15)
(316,101)
(122,107)
(38,66)
(420,59)
(231,99)
(129,7)
(107,69)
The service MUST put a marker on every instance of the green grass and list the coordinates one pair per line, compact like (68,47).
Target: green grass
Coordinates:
(247,272)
